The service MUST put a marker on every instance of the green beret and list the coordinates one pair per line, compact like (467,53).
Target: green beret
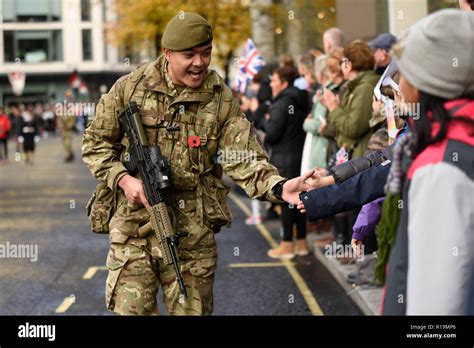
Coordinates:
(186,30)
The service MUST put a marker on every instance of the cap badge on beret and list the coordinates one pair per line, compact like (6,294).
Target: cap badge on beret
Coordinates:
(209,32)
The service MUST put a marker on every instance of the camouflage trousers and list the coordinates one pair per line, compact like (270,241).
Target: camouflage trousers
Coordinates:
(67,142)
(136,273)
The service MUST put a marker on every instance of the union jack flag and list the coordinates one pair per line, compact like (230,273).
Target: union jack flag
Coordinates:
(251,62)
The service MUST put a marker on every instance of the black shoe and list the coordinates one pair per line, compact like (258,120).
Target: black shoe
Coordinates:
(341,239)
(352,278)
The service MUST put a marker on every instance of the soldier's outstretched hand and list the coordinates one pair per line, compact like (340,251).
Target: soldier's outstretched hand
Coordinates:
(292,188)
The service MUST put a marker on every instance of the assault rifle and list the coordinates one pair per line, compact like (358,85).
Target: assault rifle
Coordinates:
(154,170)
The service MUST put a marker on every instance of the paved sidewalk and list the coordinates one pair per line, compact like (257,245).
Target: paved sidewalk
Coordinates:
(367,298)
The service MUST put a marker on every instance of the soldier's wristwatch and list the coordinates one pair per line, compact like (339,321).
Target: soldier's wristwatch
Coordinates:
(278,190)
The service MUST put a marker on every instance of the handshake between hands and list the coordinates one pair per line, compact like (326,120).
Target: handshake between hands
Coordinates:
(308,181)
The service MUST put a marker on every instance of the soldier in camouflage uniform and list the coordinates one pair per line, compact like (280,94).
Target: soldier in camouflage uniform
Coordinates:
(67,123)
(177,90)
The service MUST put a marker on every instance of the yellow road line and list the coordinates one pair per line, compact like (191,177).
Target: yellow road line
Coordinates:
(67,302)
(257,264)
(299,281)
(91,271)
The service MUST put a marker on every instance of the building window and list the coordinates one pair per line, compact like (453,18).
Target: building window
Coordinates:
(33,46)
(85,10)
(86,44)
(31,10)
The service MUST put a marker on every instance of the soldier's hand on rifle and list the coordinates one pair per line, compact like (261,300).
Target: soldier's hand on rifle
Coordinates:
(133,189)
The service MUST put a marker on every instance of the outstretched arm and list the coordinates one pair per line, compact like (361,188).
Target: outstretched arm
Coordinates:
(293,188)
(353,193)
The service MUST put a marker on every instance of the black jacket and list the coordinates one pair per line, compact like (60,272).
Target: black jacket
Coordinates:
(347,170)
(350,194)
(284,130)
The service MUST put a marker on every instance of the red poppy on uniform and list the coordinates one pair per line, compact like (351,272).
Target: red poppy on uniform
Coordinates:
(194,141)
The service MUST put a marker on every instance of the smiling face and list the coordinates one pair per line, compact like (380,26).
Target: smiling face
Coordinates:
(189,67)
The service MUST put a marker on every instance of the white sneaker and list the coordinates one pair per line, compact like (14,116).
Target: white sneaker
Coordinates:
(254,220)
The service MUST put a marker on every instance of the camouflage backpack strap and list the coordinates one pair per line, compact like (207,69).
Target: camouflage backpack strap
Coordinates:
(224,103)
(134,90)
(133,82)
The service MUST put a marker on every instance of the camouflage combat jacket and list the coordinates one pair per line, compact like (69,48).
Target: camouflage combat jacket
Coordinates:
(213,132)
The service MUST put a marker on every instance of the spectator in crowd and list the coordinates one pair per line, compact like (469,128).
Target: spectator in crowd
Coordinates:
(328,131)
(38,116)
(307,80)
(246,99)
(379,123)
(285,135)
(255,105)
(264,95)
(315,147)
(432,264)
(339,86)
(49,120)
(351,115)
(381,47)
(29,134)
(264,99)
(333,38)
(16,121)
(5,127)
(315,150)
(335,73)
(257,98)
